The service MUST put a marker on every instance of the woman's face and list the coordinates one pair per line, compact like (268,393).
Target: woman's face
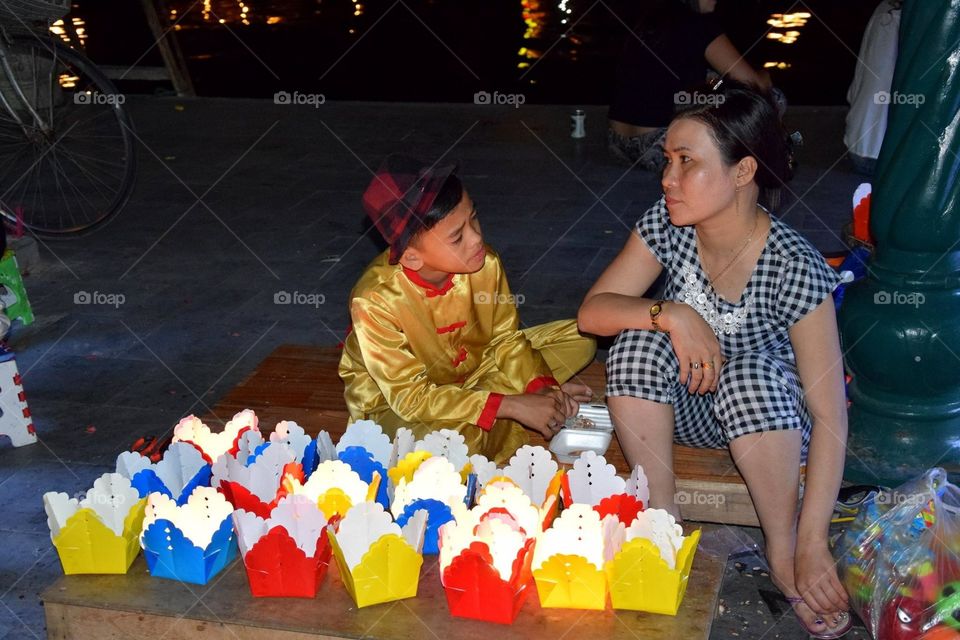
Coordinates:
(696,182)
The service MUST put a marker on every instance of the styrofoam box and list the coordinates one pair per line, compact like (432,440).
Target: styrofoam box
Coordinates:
(571,441)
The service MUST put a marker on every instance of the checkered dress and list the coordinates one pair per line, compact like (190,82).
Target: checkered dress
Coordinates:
(759,387)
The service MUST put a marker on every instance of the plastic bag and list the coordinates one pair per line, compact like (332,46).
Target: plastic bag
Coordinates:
(900,560)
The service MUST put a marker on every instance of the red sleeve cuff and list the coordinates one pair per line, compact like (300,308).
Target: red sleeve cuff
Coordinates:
(489,413)
(539,383)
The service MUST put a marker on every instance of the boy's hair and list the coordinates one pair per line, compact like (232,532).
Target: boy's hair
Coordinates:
(401,196)
(446,201)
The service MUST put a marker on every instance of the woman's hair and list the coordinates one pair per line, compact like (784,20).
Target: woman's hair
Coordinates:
(744,122)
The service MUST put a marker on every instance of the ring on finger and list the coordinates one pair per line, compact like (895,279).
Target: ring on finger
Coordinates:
(695,366)
(707,365)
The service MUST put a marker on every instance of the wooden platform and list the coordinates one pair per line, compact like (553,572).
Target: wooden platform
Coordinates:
(300,383)
(138,606)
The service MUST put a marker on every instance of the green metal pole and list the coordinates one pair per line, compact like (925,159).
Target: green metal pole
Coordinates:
(900,326)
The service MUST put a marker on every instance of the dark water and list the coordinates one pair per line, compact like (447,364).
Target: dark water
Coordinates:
(560,51)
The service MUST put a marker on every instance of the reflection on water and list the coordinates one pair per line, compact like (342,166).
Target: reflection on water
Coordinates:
(552,50)
(72,32)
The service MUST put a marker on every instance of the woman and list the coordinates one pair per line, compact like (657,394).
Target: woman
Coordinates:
(742,351)
(673,46)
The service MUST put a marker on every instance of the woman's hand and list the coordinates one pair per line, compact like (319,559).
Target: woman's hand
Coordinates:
(696,346)
(817,580)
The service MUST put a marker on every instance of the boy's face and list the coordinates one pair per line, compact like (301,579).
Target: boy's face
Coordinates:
(454,245)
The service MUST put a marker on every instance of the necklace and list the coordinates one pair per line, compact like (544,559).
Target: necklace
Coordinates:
(736,256)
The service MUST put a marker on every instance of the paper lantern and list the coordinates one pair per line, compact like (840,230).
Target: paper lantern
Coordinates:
(532,469)
(369,435)
(363,462)
(568,560)
(335,487)
(486,552)
(591,480)
(378,560)
(177,474)
(291,435)
(258,485)
(406,466)
(650,570)
(190,542)
(213,445)
(287,553)
(248,443)
(97,534)
(325,449)
(435,488)
(448,444)
(625,506)
(484,468)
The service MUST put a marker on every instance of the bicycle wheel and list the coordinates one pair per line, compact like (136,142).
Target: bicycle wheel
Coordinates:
(75,168)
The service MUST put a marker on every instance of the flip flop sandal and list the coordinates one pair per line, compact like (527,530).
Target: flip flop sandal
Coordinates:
(830,634)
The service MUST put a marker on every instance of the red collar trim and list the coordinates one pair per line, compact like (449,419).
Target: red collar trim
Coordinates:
(431,289)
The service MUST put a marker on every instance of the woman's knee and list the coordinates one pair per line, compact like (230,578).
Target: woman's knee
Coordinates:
(642,363)
(758,392)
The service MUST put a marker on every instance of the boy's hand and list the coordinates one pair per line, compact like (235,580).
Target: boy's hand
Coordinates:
(543,412)
(577,391)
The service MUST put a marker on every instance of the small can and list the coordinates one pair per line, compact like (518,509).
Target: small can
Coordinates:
(578,124)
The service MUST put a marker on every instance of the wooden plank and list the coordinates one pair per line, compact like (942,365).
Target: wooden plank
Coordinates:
(300,382)
(93,607)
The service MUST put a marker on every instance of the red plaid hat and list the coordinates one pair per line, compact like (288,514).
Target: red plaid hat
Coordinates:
(400,195)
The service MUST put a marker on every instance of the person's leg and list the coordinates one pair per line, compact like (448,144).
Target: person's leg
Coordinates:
(650,410)
(645,431)
(759,404)
(565,350)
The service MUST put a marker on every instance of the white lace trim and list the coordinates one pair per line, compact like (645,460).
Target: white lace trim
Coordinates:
(704,302)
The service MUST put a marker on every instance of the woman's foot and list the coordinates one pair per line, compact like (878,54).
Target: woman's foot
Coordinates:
(833,625)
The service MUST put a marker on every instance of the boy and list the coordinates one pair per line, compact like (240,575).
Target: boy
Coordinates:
(436,342)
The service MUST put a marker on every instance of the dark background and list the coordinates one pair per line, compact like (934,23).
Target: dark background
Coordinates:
(395,57)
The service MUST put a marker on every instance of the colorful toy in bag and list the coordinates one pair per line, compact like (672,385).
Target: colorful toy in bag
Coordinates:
(97,534)
(900,560)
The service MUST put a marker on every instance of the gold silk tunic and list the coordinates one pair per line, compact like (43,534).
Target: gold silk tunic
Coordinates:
(441,357)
